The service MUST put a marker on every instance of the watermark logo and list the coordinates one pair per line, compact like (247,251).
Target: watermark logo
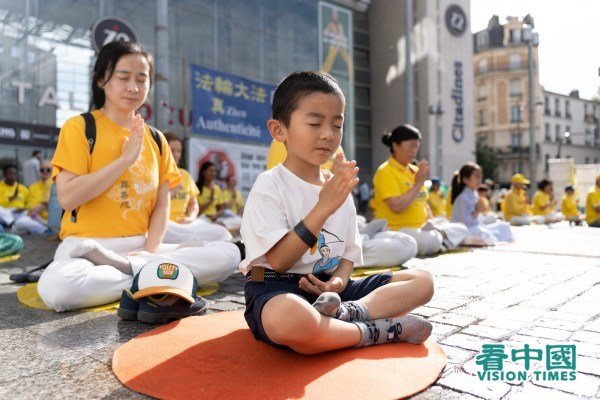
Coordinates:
(560,363)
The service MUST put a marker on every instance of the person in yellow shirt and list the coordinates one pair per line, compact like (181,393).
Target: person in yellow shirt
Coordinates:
(487,216)
(115,193)
(570,206)
(13,196)
(36,220)
(232,197)
(544,203)
(184,224)
(210,198)
(436,200)
(592,205)
(401,198)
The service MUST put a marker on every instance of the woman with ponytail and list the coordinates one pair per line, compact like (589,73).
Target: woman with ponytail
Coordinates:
(467,207)
(401,197)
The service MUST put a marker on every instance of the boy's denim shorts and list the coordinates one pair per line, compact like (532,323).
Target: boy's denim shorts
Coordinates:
(259,293)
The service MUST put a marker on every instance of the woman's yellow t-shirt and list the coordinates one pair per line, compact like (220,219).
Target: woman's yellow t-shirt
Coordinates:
(541,199)
(437,203)
(592,200)
(8,198)
(181,195)
(449,204)
(204,198)
(125,208)
(514,204)
(392,179)
(236,207)
(39,193)
(568,206)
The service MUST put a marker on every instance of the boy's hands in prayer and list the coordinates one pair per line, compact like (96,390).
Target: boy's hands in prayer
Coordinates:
(337,188)
(316,286)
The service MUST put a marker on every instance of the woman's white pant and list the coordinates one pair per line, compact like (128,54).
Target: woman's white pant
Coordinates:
(388,249)
(73,283)
(527,219)
(197,230)
(430,239)
(26,224)
(493,233)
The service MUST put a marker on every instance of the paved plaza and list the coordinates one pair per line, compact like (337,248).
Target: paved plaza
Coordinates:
(544,289)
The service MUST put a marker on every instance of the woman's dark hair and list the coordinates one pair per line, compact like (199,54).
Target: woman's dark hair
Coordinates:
(400,134)
(457,180)
(543,183)
(105,66)
(200,182)
(172,137)
(295,87)
(9,166)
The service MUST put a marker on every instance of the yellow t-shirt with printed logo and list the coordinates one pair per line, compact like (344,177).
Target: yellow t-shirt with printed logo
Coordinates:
(39,193)
(568,206)
(392,179)
(204,199)
(592,200)
(181,195)
(125,208)
(437,203)
(239,200)
(514,204)
(540,199)
(8,192)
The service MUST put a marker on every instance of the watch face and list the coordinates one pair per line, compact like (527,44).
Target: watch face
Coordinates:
(456,20)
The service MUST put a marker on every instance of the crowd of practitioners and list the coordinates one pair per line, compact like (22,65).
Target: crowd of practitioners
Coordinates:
(127,202)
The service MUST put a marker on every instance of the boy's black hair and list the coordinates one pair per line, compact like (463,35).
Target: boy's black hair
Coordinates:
(569,188)
(105,66)
(400,134)
(543,183)
(295,87)
(483,188)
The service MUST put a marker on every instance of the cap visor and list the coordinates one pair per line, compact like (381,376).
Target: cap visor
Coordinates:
(163,290)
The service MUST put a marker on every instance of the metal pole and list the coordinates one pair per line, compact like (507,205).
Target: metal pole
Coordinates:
(532,141)
(409,68)
(161,91)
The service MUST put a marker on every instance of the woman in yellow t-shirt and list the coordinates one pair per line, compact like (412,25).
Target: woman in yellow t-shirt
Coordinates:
(210,198)
(401,197)
(36,220)
(544,203)
(592,205)
(233,205)
(115,193)
(13,196)
(436,200)
(184,224)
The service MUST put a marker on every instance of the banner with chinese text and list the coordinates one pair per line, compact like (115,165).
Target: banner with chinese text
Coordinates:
(228,106)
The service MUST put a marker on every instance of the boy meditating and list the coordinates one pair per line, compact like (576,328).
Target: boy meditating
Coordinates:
(299,228)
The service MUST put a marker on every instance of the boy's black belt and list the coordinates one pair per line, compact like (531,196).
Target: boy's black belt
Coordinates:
(260,274)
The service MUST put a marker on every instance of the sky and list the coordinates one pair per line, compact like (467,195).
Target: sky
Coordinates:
(569,31)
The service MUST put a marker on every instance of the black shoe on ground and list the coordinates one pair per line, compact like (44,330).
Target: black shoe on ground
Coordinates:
(153,313)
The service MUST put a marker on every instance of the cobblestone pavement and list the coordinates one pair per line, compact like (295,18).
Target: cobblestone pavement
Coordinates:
(542,290)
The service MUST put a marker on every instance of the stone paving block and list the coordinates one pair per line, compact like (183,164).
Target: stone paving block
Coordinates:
(548,333)
(25,353)
(558,324)
(529,391)
(592,326)
(442,329)
(587,349)
(457,355)
(584,385)
(470,384)
(579,308)
(451,318)
(86,379)
(503,323)
(587,336)
(566,316)
(438,392)
(466,341)
(225,306)
(443,305)
(520,313)
(426,312)
(222,296)
(588,365)
(487,332)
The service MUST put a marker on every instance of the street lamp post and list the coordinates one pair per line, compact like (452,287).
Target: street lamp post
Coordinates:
(561,141)
(437,110)
(531,38)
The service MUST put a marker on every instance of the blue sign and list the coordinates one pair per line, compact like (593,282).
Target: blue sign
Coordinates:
(228,106)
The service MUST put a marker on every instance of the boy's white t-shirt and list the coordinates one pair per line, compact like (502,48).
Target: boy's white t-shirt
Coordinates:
(277,202)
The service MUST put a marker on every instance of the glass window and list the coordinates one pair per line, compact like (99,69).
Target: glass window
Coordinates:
(515,87)
(514,61)
(482,66)
(515,113)
(547,135)
(515,140)
(557,133)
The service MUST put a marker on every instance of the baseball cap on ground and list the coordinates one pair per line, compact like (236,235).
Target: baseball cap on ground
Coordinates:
(165,277)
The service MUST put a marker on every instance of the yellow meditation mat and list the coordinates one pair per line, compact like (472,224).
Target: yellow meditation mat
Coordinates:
(29,296)
(10,258)
(362,272)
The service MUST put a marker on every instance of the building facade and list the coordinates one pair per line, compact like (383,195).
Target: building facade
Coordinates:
(501,108)
(45,68)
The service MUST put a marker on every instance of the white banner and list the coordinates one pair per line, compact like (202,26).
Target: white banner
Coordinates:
(243,160)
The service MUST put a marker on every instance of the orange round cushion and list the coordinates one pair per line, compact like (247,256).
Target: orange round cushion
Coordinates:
(216,357)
